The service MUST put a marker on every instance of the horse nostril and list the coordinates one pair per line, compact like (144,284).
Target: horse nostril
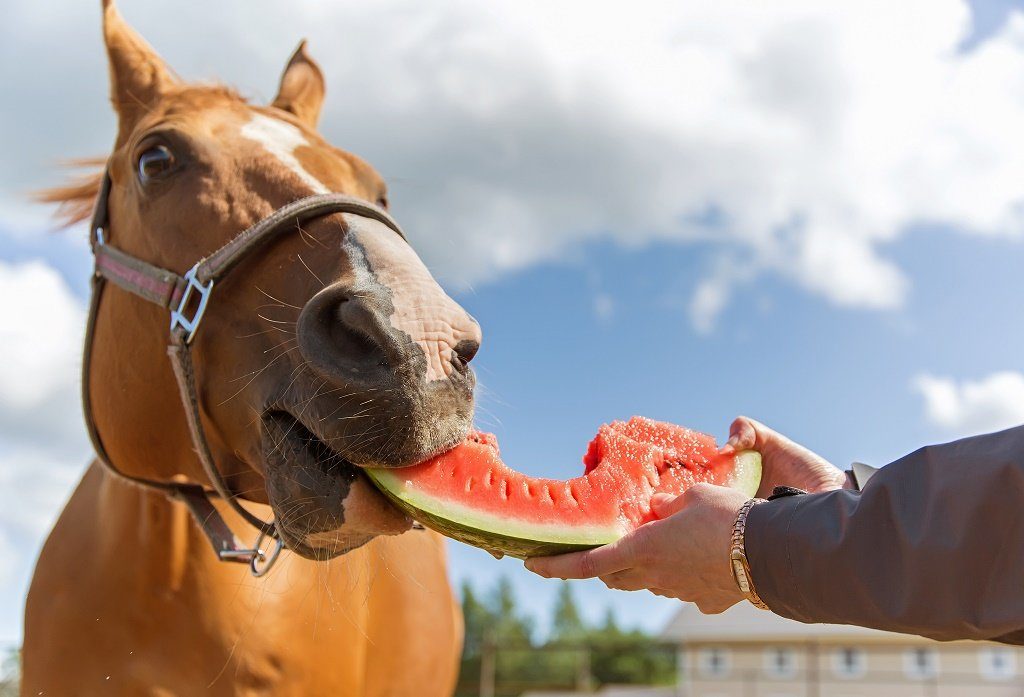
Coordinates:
(466,349)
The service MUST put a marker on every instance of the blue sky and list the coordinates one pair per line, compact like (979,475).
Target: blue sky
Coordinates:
(839,382)
(589,317)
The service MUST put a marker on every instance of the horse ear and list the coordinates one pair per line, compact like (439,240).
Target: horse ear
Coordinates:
(138,76)
(302,87)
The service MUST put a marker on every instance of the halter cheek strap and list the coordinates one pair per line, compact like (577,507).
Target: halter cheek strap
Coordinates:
(186,298)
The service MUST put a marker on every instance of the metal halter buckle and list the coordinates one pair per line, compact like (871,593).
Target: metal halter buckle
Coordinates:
(259,560)
(178,316)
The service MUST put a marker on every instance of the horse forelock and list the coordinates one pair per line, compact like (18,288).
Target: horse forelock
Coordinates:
(76,198)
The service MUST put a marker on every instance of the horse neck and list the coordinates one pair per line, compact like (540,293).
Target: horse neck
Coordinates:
(147,526)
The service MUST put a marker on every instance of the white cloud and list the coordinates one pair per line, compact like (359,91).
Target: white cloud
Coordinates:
(802,134)
(43,447)
(40,354)
(35,482)
(972,406)
(8,560)
(714,291)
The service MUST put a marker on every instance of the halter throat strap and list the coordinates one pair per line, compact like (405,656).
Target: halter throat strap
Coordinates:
(186,298)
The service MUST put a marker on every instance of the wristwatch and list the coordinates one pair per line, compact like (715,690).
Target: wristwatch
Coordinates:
(738,556)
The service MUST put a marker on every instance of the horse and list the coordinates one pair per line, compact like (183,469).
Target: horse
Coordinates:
(328,348)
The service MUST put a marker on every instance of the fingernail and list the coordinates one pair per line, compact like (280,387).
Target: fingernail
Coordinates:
(727,449)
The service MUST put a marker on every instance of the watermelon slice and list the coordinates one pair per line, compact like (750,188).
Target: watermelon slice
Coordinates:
(469,494)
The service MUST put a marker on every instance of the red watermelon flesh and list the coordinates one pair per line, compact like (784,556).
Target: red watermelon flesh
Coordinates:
(469,494)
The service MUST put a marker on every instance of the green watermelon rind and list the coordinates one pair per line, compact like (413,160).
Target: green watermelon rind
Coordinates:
(520,539)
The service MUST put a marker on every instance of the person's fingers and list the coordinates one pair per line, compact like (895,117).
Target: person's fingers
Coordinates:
(628,580)
(664,505)
(664,593)
(594,562)
(747,434)
(742,435)
(713,607)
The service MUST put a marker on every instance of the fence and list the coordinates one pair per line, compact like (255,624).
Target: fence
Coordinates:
(507,670)
(916,669)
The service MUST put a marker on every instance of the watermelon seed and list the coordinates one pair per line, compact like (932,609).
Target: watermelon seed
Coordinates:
(469,485)
(490,476)
(504,489)
(677,462)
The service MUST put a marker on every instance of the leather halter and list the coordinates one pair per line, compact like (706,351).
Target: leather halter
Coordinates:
(186,298)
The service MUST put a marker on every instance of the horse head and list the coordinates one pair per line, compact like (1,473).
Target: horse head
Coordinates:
(329,350)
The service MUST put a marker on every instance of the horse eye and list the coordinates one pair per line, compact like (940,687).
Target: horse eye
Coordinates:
(382,202)
(156,161)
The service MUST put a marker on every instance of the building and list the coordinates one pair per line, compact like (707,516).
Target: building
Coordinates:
(746,652)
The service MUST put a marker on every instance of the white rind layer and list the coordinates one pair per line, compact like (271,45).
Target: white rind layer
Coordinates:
(484,521)
(747,475)
(746,478)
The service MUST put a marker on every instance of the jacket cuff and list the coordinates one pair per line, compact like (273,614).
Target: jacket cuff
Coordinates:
(766,544)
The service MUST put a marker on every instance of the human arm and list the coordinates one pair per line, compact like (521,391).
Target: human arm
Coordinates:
(933,545)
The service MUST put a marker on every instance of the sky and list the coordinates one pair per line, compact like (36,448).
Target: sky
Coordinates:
(809,213)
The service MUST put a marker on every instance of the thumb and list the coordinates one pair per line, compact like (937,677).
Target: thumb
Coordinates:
(665,505)
(747,434)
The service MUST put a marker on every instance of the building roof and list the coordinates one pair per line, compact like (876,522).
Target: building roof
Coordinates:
(744,622)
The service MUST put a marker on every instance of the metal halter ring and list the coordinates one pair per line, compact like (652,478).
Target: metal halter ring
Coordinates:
(260,563)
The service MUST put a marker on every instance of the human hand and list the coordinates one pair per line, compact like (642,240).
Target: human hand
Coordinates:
(784,463)
(684,554)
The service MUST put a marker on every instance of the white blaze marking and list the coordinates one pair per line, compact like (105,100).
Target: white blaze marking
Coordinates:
(281,140)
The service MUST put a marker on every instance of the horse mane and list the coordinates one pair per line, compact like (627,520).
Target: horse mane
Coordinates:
(75,200)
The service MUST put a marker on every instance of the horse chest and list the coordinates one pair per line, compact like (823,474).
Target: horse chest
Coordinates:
(379,621)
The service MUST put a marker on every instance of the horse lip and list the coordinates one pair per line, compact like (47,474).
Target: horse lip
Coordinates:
(304,426)
(302,410)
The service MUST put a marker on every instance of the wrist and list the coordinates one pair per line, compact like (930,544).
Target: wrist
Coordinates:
(738,556)
(831,479)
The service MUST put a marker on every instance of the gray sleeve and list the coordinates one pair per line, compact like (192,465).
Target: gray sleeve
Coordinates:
(933,545)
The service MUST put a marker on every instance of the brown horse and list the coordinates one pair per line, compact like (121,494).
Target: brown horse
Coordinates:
(329,349)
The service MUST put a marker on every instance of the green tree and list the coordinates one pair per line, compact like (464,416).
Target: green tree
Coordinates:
(513,635)
(610,625)
(509,625)
(629,657)
(607,652)
(497,619)
(567,624)
(10,674)
(477,620)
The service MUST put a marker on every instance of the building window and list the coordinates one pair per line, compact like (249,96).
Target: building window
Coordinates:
(713,662)
(920,663)
(997,663)
(849,662)
(779,662)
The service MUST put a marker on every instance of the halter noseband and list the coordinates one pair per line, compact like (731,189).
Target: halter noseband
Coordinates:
(186,298)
